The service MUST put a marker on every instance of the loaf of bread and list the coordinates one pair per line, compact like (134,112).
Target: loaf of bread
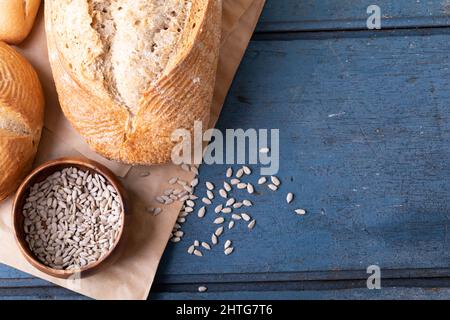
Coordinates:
(21,118)
(130,72)
(16,19)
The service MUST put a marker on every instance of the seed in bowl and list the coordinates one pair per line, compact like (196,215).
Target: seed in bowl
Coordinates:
(72,219)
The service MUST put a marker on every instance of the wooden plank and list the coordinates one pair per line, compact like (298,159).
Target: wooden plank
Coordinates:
(312,15)
(364,145)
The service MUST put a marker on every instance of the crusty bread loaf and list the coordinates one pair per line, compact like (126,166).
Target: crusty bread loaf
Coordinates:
(130,72)
(21,118)
(16,19)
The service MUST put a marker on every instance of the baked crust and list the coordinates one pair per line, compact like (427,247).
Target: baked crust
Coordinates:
(179,97)
(21,118)
(17,19)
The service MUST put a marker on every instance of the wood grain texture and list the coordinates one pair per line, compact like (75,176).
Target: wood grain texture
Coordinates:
(364,146)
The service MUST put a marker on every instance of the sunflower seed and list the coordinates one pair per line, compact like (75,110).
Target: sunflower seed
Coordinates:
(157,211)
(168,192)
(179,234)
(239,173)
(226,186)
(289,197)
(191,249)
(209,186)
(236,217)
(229,173)
(214,239)
(194,170)
(183,198)
(188,189)
(185,167)
(190,203)
(218,208)
(202,289)
(219,220)
(223,193)
(247,170)
(226,210)
(196,243)
(273,187)
(206,245)
(252,224)
(275,181)
(193,197)
(173,180)
(235,181)
(194,183)
(246,217)
(227,244)
(230,225)
(206,201)
(264,150)
(247,203)
(242,185)
(230,202)
(181,220)
(237,205)
(219,231)
(201,212)
(198,253)
(175,240)
(160,200)
(182,182)
(250,188)
(189,209)
(300,212)
(229,251)
(262,180)
(210,194)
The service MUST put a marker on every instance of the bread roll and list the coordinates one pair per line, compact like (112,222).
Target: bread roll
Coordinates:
(16,19)
(130,72)
(21,118)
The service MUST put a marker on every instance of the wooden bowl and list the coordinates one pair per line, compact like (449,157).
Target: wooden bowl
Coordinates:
(40,174)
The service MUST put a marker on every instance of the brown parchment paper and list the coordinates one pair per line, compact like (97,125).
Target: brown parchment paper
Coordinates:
(129,273)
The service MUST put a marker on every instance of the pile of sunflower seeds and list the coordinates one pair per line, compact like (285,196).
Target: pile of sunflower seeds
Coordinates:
(227,213)
(72,219)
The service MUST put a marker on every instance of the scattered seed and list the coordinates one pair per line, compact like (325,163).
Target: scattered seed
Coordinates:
(247,203)
(230,225)
(242,185)
(246,217)
(252,224)
(300,212)
(227,244)
(229,251)
(206,201)
(230,202)
(185,167)
(275,181)
(210,194)
(194,170)
(229,173)
(202,289)
(209,186)
(189,209)
(235,181)
(289,197)
(262,180)
(218,208)
(247,170)
(196,243)
(175,240)
(273,187)
(250,188)
(214,239)
(173,180)
(193,197)
(191,249)
(198,253)
(237,205)
(182,182)
(194,183)
(226,210)
(226,186)
(219,231)
(190,203)
(239,173)
(219,220)
(206,246)
(157,211)
(201,212)
(223,193)
(236,217)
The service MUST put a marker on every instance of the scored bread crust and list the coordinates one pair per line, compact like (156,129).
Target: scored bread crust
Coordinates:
(179,97)
(21,118)
(17,19)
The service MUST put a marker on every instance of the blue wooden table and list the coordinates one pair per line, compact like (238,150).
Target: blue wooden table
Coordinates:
(365,146)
